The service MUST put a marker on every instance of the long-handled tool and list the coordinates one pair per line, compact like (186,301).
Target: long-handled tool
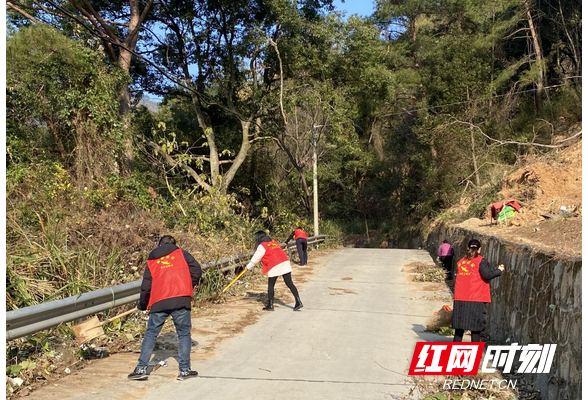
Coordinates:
(160,364)
(92,328)
(218,295)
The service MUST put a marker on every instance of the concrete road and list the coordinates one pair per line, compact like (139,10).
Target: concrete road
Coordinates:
(353,339)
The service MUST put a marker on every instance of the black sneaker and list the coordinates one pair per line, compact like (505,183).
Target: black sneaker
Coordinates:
(183,375)
(139,374)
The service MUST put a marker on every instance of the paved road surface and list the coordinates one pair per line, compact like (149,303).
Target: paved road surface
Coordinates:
(353,339)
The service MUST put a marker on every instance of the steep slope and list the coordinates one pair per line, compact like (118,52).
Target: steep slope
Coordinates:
(543,186)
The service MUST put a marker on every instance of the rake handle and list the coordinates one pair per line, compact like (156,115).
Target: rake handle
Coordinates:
(120,315)
(234,280)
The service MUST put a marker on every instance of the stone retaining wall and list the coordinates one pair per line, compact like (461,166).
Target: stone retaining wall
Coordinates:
(538,299)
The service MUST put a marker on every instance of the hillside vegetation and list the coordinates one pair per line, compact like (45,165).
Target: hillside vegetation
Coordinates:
(549,189)
(547,185)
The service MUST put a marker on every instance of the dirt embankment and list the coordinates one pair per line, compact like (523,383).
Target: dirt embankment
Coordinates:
(550,192)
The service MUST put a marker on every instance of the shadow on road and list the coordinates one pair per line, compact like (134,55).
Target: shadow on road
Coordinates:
(280,302)
(262,298)
(166,348)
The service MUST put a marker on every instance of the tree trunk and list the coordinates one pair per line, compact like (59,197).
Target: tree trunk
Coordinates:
(307,195)
(477,174)
(245,145)
(413,31)
(538,55)
(208,133)
(124,61)
(124,107)
(577,59)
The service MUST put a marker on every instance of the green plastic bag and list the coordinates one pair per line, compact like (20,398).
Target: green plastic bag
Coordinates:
(506,213)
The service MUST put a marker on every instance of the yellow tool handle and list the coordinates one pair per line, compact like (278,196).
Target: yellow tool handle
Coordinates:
(120,315)
(234,280)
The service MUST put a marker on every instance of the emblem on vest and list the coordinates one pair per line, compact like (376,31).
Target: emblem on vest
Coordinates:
(163,263)
(273,244)
(464,268)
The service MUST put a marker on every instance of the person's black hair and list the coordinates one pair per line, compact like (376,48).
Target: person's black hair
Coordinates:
(475,243)
(167,239)
(258,236)
(445,241)
(473,247)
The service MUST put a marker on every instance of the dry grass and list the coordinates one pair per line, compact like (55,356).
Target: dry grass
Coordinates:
(441,319)
(425,272)
(418,267)
(434,274)
(432,389)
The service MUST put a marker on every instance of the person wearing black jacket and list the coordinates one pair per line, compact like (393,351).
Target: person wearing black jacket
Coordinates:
(472,292)
(166,290)
(301,244)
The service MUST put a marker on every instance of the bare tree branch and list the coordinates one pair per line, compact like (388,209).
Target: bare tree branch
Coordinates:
(96,16)
(505,142)
(133,34)
(173,163)
(275,46)
(22,12)
(171,191)
(509,36)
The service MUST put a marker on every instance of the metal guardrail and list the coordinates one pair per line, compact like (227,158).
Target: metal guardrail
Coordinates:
(27,320)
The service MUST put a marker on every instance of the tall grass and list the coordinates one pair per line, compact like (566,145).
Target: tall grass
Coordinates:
(212,283)
(47,268)
(334,233)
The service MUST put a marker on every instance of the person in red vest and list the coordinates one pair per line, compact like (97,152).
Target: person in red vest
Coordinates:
(167,288)
(301,244)
(472,292)
(274,263)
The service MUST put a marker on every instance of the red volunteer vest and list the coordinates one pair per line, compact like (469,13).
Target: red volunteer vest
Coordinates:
(273,256)
(299,233)
(469,284)
(170,277)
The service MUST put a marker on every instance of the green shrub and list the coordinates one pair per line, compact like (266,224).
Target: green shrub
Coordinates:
(484,197)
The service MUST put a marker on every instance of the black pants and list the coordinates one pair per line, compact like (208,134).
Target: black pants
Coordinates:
(447,264)
(301,247)
(458,337)
(287,279)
